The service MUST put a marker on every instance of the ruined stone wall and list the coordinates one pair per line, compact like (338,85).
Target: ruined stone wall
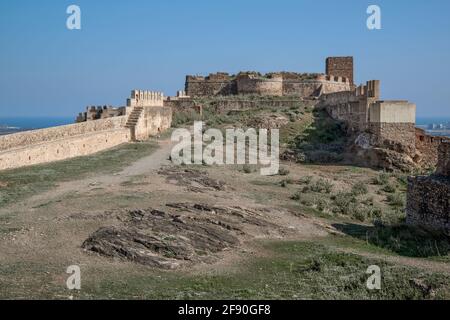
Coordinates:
(443,167)
(314,87)
(340,66)
(428,200)
(236,103)
(212,85)
(427,148)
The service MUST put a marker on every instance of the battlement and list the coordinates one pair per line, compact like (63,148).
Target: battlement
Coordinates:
(218,76)
(100,112)
(144,98)
(341,67)
(304,85)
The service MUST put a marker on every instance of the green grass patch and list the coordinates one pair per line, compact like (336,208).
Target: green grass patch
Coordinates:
(293,270)
(27,181)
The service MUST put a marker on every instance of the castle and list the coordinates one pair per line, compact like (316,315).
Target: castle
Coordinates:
(384,131)
(338,77)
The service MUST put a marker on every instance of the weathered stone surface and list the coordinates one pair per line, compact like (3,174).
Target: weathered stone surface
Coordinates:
(272,84)
(340,66)
(189,233)
(193,180)
(428,202)
(443,167)
(428,199)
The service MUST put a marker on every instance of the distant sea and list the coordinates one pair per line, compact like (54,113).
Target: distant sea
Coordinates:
(422,121)
(17,124)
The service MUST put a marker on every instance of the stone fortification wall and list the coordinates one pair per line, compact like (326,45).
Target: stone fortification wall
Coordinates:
(153,121)
(28,138)
(258,85)
(63,148)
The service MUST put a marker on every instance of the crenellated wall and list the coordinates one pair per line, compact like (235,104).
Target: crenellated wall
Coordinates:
(276,83)
(340,66)
(352,106)
(216,84)
(272,84)
(145,98)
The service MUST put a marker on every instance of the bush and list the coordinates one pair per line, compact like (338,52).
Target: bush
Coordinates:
(322,186)
(389,188)
(359,189)
(323,156)
(381,179)
(321,204)
(305,180)
(296,196)
(343,203)
(359,212)
(396,200)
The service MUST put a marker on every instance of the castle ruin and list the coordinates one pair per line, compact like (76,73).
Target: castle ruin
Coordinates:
(428,197)
(339,77)
(384,131)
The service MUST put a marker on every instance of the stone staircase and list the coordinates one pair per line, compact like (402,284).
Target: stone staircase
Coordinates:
(133,119)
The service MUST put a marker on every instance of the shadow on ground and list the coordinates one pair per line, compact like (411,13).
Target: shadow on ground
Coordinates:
(402,239)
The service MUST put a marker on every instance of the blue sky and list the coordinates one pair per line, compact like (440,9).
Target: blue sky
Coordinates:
(48,70)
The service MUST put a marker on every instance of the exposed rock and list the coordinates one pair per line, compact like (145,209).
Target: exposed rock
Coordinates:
(155,238)
(194,180)
(190,233)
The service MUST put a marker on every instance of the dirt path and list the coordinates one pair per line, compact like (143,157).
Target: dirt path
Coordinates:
(159,158)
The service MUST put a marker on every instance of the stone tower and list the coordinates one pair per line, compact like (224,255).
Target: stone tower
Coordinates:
(340,67)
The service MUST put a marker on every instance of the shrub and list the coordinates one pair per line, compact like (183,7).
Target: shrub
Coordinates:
(389,188)
(381,179)
(359,189)
(343,202)
(359,212)
(305,180)
(323,156)
(321,204)
(296,196)
(322,186)
(396,200)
